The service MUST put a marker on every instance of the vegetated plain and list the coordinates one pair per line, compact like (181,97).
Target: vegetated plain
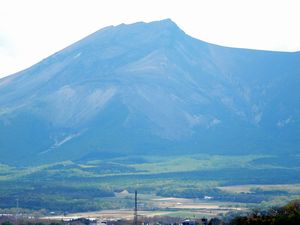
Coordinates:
(91,185)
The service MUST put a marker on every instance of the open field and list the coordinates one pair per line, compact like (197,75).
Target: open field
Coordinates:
(180,207)
(291,188)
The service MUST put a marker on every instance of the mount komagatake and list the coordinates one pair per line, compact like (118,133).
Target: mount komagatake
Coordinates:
(148,88)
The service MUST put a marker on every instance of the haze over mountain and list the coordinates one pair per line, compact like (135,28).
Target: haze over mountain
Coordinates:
(148,88)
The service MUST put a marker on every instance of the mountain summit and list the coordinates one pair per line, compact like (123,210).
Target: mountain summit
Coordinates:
(148,88)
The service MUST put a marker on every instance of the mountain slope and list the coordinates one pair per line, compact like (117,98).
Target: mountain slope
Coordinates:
(148,88)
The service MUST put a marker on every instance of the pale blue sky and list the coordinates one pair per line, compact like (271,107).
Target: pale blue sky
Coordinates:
(33,29)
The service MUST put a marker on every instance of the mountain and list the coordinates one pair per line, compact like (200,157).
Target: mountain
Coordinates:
(149,88)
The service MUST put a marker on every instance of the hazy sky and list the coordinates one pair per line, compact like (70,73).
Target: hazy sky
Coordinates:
(31,30)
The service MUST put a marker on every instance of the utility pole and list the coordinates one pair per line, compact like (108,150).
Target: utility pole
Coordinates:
(17,210)
(135,219)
